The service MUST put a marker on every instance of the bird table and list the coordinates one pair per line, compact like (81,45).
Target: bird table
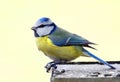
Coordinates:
(86,72)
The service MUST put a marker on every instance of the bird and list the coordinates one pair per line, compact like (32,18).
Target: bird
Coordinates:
(60,45)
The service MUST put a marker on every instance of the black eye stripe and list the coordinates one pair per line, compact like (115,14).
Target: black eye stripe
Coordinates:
(42,26)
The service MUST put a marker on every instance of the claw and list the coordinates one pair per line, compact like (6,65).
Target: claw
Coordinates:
(51,65)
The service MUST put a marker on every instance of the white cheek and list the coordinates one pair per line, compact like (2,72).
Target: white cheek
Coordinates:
(44,31)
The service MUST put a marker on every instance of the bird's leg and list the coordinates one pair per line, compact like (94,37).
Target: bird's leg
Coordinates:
(52,65)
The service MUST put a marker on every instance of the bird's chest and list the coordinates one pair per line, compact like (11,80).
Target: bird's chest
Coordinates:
(43,43)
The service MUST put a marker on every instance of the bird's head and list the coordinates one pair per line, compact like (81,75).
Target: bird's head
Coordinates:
(44,26)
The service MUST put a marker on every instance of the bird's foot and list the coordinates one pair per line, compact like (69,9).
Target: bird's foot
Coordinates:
(53,66)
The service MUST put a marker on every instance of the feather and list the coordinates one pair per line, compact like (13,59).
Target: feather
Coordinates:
(61,37)
(97,58)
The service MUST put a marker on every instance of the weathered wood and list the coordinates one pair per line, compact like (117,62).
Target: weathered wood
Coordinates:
(91,72)
(86,80)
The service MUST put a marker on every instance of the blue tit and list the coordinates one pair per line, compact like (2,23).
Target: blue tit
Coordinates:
(59,44)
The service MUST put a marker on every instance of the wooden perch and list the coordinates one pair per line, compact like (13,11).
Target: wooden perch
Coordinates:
(86,72)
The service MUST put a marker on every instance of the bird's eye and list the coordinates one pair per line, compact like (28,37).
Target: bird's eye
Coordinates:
(41,26)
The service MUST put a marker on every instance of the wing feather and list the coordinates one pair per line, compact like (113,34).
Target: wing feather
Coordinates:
(63,38)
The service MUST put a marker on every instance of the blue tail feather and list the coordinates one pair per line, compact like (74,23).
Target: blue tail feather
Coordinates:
(99,59)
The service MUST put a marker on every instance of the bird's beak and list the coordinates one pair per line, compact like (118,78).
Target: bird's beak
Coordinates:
(33,28)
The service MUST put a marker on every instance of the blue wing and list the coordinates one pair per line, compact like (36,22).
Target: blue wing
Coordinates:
(78,41)
(63,38)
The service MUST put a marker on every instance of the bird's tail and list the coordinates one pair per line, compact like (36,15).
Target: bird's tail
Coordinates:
(97,58)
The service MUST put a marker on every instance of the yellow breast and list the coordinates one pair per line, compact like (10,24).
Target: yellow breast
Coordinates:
(56,52)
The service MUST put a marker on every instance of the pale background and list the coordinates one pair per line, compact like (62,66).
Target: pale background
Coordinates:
(20,61)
